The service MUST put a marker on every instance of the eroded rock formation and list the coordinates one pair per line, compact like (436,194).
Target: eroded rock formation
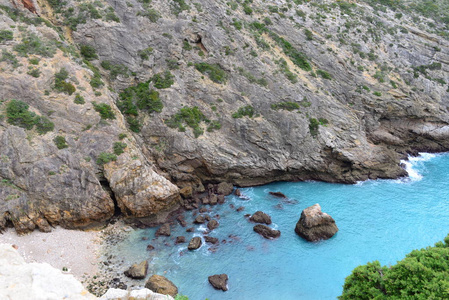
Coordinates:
(314,225)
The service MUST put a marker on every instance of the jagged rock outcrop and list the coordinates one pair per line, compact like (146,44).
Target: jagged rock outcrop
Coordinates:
(279,94)
(138,271)
(219,282)
(194,243)
(267,232)
(314,225)
(160,284)
(260,217)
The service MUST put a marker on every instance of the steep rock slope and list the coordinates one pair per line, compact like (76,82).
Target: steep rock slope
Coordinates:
(247,92)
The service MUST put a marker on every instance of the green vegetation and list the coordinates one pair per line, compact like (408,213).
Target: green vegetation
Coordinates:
(178,6)
(214,71)
(60,142)
(422,274)
(163,81)
(34,61)
(145,53)
(186,45)
(190,116)
(213,125)
(313,126)
(135,98)
(104,110)
(105,157)
(378,94)
(121,136)
(9,58)
(17,114)
(324,74)
(252,78)
(292,77)
(88,52)
(79,99)
(61,85)
(247,110)
(95,81)
(114,69)
(6,35)
(32,44)
(152,14)
(309,34)
(287,105)
(119,148)
(34,72)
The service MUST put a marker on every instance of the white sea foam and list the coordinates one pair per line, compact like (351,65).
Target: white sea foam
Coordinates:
(413,162)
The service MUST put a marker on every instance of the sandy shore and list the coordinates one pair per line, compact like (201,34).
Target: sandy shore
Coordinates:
(78,251)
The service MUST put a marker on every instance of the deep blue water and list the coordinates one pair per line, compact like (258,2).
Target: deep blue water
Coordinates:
(378,220)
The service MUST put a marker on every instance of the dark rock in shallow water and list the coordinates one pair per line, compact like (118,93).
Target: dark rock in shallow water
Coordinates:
(221,199)
(237,192)
(314,225)
(138,271)
(210,239)
(194,243)
(199,219)
(260,217)
(160,284)
(212,224)
(180,240)
(207,218)
(191,229)
(277,194)
(181,220)
(150,247)
(225,188)
(241,208)
(266,231)
(203,210)
(164,230)
(219,282)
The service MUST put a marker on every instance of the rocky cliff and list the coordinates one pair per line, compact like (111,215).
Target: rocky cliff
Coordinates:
(115,105)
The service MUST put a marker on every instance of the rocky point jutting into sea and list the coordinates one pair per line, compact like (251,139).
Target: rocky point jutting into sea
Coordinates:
(135,107)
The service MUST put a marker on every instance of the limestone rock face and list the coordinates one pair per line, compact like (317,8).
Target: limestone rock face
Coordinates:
(142,294)
(260,217)
(20,280)
(219,282)
(266,231)
(161,285)
(138,271)
(314,225)
(194,243)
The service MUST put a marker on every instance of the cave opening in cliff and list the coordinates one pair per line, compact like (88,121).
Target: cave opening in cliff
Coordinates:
(105,185)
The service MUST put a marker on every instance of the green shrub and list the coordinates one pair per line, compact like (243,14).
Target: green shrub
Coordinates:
(145,53)
(34,72)
(32,44)
(43,125)
(121,136)
(88,52)
(186,45)
(152,14)
(34,61)
(133,123)
(214,72)
(422,274)
(9,58)
(313,126)
(104,110)
(378,94)
(192,117)
(285,105)
(163,82)
(213,125)
(309,34)
(79,99)
(6,35)
(17,114)
(61,85)
(95,81)
(114,69)
(248,10)
(179,6)
(60,142)
(247,110)
(119,147)
(297,57)
(105,157)
(324,74)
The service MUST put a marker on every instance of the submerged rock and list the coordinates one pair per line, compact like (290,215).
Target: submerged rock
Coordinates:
(200,219)
(277,194)
(266,231)
(137,271)
(180,240)
(194,243)
(314,225)
(164,230)
(210,239)
(219,282)
(212,224)
(161,285)
(260,217)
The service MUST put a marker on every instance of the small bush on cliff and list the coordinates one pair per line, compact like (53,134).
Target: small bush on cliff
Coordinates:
(43,125)
(285,105)
(244,111)
(18,114)
(422,274)
(104,110)
(6,35)
(60,142)
(32,44)
(119,148)
(313,126)
(192,117)
(61,85)
(214,71)
(88,52)
(105,157)
(163,81)
(115,69)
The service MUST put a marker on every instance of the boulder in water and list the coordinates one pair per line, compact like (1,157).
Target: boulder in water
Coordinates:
(277,194)
(210,239)
(314,225)
(266,231)
(180,240)
(219,282)
(194,243)
(160,284)
(200,219)
(164,230)
(212,224)
(138,271)
(260,217)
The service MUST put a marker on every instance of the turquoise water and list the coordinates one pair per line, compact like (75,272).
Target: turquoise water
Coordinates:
(378,220)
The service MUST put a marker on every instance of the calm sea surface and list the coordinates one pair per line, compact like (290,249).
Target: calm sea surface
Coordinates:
(378,220)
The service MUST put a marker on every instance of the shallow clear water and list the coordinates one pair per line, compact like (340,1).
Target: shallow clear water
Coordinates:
(378,220)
